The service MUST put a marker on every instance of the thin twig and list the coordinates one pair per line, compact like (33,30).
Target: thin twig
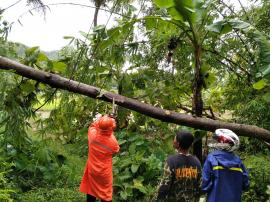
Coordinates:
(53,93)
(229,60)
(237,53)
(230,68)
(243,9)
(1,11)
(73,4)
(238,35)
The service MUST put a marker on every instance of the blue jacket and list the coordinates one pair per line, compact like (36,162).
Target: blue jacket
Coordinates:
(224,177)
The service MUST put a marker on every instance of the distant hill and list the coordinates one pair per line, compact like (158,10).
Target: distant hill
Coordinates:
(20,49)
(53,55)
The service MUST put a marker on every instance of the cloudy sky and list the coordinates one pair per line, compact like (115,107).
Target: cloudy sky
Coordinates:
(61,20)
(48,32)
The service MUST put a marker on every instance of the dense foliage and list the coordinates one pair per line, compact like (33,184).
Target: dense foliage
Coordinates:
(199,57)
(259,177)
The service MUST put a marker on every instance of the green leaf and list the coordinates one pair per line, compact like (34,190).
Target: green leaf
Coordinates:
(28,87)
(117,35)
(131,8)
(50,65)
(209,79)
(123,195)
(139,156)
(31,50)
(199,134)
(164,3)
(226,29)
(266,97)
(42,86)
(132,148)
(105,44)
(268,189)
(42,57)
(266,71)
(163,26)
(134,168)
(198,3)
(215,27)
(138,185)
(68,37)
(239,24)
(59,66)
(106,72)
(140,142)
(120,142)
(124,177)
(42,154)
(186,9)
(150,23)
(85,35)
(175,14)
(99,28)
(223,27)
(260,84)
(204,69)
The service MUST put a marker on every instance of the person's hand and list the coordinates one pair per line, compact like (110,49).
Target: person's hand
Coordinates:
(112,115)
(97,117)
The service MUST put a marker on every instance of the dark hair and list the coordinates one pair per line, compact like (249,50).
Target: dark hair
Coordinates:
(185,139)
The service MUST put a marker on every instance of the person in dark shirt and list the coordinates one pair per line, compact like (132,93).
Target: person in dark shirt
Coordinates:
(182,173)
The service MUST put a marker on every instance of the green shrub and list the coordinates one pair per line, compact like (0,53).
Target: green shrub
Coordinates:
(67,177)
(6,189)
(258,167)
(53,195)
(137,167)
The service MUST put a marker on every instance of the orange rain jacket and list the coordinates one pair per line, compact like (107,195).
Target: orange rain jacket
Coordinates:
(98,176)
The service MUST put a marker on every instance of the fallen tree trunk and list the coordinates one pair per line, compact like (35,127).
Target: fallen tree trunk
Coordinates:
(57,81)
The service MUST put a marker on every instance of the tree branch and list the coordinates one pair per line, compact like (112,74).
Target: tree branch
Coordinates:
(57,81)
(72,4)
(238,35)
(4,9)
(51,96)
(229,67)
(229,60)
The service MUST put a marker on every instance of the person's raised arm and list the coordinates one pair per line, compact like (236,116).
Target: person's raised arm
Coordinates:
(115,146)
(92,129)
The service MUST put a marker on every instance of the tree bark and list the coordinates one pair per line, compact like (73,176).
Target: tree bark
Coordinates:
(96,16)
(197,102)
(57,81)
(98,4)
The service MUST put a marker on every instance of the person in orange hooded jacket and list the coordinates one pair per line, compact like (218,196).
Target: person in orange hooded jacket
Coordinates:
(97,180)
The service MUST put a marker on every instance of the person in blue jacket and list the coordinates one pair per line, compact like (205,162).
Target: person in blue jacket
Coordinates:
(224,175)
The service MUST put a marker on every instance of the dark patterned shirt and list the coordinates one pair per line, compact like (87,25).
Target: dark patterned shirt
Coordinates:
(181,179)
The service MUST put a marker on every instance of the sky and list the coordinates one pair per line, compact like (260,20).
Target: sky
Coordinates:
(61,20)
(48,32)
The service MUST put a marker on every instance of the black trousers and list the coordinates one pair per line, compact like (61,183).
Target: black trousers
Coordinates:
(91,198)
